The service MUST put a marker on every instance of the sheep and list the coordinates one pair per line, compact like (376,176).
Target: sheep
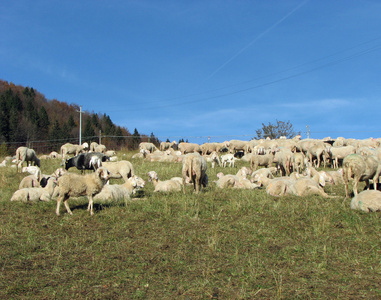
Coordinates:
(228,158)
(360,168)
(208,148)
(25,154)
(163,186)
(123,191)
(306,187)
(336,153)
(74,185)
(237,145)
(120,169)
(297,161)
(85,161)
(368,201)
(32,180)
(318,150)
(275,187)
(100,148)
(283,158)
(110,153)
(266,172)
(69,148)
(166,145)
(194,167)
(53,154)
(243,172)
(147,146)
(189,148)
(261,160)
(36,193)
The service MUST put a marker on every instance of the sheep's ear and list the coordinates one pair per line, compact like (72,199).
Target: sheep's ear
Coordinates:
(321,180)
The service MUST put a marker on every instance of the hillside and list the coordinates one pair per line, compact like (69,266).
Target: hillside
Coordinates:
(28,118)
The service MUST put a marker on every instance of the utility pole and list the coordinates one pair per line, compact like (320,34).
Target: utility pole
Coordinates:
(308,132)
(80,125)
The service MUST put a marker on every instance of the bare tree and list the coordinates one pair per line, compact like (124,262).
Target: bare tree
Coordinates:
(275,131)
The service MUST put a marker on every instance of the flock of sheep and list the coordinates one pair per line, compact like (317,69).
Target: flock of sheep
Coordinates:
(282,166)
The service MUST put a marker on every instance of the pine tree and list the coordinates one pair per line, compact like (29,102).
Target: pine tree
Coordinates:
(135,139)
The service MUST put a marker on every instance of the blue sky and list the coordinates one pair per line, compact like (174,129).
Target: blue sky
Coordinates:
(193,69)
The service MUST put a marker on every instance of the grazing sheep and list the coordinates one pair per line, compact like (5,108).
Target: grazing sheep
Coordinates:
(25,154)
(297,162)
(163,186)
(336,153)
(189,148)
(119,169)
(36,193)
(261,160)
(85,161)
(318,151)
(123,191)
(147,146)
(360,168)
(166,145)
(237,145)
(100,148)
(194,167)
(69,148)
(228,158)
(74,185)
(283,158)
(368,201)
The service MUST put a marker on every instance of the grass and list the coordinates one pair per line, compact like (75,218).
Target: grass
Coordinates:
(221,244)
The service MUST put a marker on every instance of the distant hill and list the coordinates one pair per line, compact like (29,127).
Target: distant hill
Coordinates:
(27,118)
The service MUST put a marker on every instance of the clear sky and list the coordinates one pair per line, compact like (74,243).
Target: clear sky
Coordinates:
(193,69)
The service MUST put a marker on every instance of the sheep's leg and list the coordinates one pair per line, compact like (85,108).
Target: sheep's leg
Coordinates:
(59,200)
(67,206)
(90,205)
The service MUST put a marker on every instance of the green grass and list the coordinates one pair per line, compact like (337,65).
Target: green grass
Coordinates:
(220,244)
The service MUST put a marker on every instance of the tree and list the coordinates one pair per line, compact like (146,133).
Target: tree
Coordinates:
(135,139)
(275,131)
(89,133)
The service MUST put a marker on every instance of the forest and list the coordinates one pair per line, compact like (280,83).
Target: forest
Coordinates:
(27,118)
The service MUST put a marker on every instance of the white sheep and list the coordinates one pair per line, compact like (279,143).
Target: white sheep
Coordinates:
(120,191)
(36,193)
(360,168)
(194,167)
(213,158)
(163,186)
(228,158)
(110,153)
(69,148)
(368,201)
(32,180)
(119,169)
(75,185)
(24,154)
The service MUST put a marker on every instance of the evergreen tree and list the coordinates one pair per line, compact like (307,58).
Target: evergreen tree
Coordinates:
(89,133)
(119,136)
(55,132)
(135,139)
(70,123)
(43,122)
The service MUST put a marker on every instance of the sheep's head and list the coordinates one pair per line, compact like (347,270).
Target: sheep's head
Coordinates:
(152,175)
(103,173)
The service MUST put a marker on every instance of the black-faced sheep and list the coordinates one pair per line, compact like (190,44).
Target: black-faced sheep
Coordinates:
(74,185)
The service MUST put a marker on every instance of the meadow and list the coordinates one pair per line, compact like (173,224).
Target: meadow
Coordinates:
(220,244)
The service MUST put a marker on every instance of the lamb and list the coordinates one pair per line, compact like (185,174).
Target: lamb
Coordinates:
(74,185)
(69,148)
(120,169)
(368,201)
(123,191)
(360,168)
(163,186)
(36,193)
(228,158)
(194,167)
(25,154)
